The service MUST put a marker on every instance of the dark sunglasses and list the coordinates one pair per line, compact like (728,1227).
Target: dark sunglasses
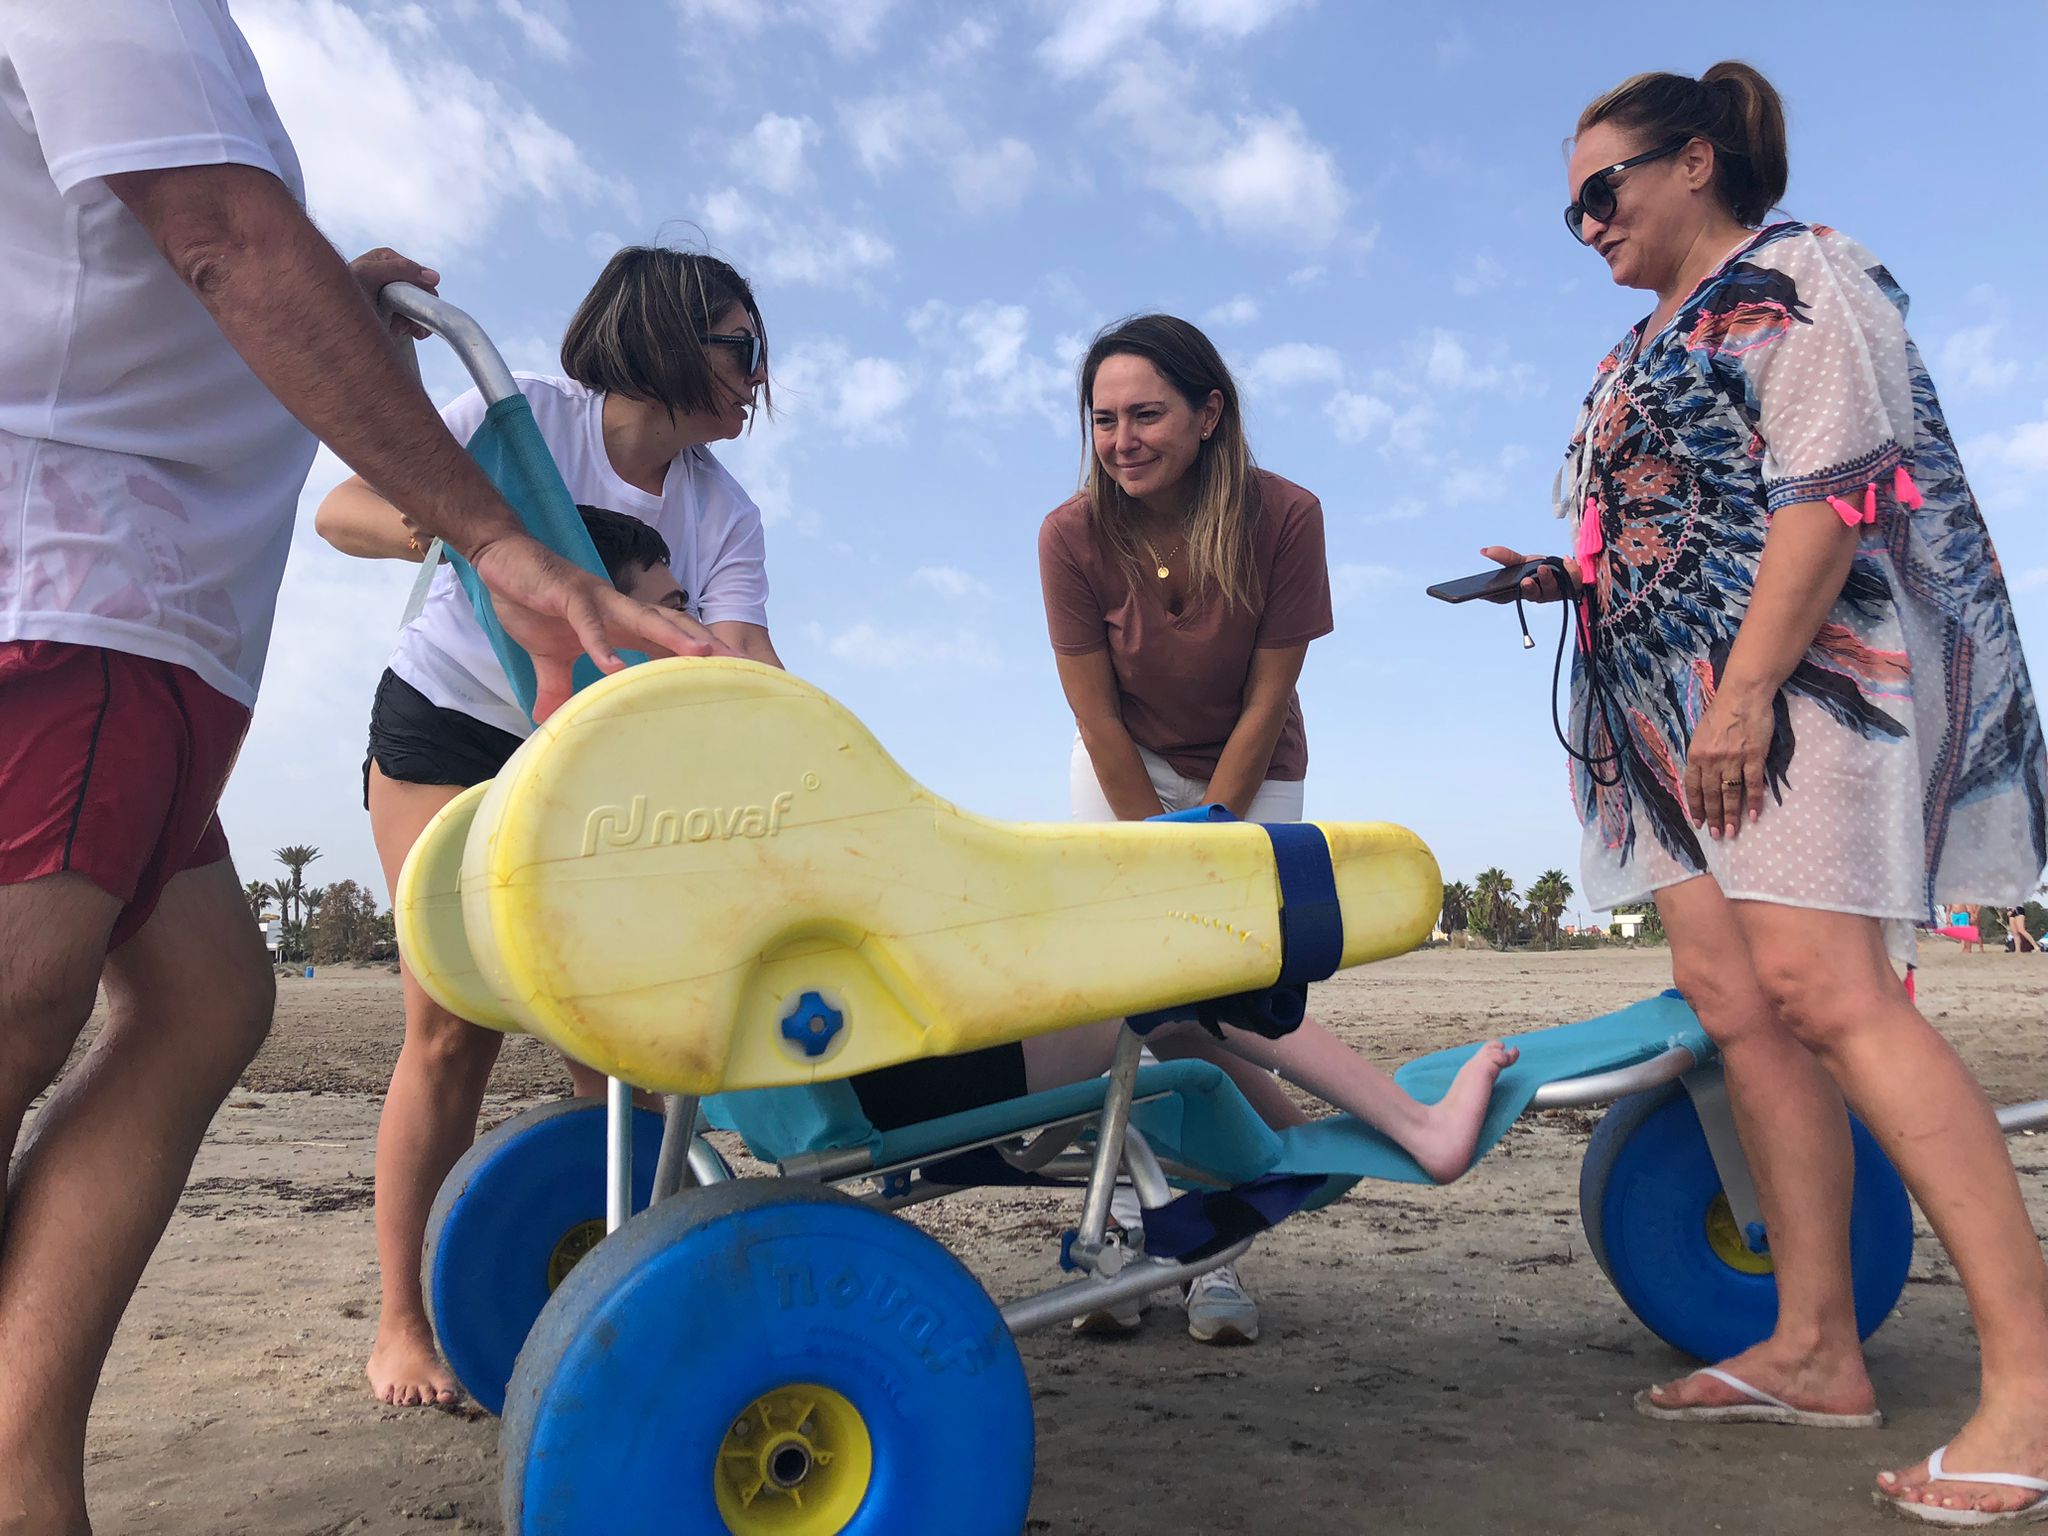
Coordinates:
(745,339)
(1596,192)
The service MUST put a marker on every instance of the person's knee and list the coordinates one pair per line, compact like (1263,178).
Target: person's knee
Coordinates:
(447,1045)
(1723,991)
(1818,1004)
(43,1010)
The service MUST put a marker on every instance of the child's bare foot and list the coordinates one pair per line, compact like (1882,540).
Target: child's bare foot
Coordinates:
(407,1371)
(1450,1127)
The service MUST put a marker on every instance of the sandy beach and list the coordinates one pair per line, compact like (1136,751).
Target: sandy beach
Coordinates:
(1443,1361)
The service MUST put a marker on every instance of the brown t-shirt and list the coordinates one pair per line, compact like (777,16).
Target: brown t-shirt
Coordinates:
(1181,677)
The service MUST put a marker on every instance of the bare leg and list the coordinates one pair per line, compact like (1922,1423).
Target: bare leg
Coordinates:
(190,999)
(53,943)
(429,1121)
(1438,1136)
(1795,1137)
(1831,981)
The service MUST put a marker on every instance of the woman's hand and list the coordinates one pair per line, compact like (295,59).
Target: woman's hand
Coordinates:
(1549,585)
(1724,766)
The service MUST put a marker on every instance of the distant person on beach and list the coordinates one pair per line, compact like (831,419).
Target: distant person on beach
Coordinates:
(2018,939)
(1779,559)
(166,311)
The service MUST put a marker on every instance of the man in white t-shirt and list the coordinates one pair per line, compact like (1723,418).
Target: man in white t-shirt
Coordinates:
(166,311)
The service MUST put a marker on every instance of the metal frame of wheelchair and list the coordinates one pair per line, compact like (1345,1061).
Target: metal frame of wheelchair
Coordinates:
(770,1357)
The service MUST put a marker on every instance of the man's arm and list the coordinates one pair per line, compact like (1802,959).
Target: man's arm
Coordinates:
(285,300)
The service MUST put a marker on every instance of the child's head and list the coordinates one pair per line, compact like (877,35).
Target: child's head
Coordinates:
(635,556)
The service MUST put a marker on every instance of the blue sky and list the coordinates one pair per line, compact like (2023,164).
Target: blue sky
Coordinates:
(939,203)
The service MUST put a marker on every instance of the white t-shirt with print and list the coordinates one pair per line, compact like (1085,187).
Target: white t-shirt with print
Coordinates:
(717,552)
(147,479)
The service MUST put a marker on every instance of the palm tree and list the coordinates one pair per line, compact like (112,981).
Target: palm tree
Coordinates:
(1548,897)
(1494,895)
(281,892)
(1457,908)
(295,857)
(259,896)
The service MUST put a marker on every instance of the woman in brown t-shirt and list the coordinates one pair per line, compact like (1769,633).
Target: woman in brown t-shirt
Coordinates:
(1182,588)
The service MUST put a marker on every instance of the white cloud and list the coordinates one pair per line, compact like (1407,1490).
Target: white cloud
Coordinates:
(541,24)
(1353,579)
(1467,484)
(1975,361)
(1260,176)
(1233,19)
(772,151)
(1241,310)
(849,26)
(1294,363)
(889,131)
(824,382)
(811,248)
(1089,33)
(406,145)
(2030,581)
(1307,277)
(2022,449)
(1444,363)
(1404,509)
(996,177)
(988,365)
(1482,274)
(1357,417)
(890,649)
(950,582)
(968,41)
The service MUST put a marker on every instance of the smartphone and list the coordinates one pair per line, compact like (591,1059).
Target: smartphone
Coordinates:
(1499,584)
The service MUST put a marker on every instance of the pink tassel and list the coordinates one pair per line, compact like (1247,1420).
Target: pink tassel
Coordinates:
(1591,544)
(1870,503)
(1845,511)
(1905,492)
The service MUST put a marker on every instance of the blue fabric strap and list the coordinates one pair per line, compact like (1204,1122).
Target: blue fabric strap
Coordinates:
(1311,920)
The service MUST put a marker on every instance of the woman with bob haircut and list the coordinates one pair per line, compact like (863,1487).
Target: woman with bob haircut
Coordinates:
(1182,586)
(1801,719)
(666,355)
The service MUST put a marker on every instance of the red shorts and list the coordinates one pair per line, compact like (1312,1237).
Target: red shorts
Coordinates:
(110,767)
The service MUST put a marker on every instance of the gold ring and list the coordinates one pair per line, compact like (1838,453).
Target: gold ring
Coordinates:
(1731,783)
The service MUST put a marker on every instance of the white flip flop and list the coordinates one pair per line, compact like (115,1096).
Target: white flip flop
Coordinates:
(2035,1513)
(1762,1408)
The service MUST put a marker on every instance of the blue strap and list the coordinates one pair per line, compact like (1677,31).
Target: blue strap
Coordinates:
(1311,920)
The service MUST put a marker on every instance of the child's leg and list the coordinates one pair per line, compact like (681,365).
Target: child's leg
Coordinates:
(1439,1136)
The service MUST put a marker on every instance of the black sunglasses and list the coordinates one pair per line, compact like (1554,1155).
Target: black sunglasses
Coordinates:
(1596,192)
(746,339)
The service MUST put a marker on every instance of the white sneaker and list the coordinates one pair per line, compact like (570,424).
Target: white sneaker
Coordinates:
(1120,1317)
(1220,1310)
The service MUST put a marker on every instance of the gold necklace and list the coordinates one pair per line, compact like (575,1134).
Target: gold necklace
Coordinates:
(1164,570)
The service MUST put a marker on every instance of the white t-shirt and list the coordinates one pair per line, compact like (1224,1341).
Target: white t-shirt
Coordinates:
(147,479)
(717,552)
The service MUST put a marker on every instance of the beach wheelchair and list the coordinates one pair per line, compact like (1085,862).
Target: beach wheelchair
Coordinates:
(706,878)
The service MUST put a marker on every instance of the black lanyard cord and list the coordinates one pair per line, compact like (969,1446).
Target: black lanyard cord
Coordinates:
(1596,684)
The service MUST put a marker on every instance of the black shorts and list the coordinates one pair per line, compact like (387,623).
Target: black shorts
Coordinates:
(945,1085)
(416,741)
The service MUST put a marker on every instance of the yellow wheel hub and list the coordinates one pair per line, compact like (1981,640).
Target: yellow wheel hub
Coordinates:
(1726,1239)
(796,1463)
(569,1252)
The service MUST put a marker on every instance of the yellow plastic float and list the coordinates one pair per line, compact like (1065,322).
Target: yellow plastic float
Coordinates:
(707,875)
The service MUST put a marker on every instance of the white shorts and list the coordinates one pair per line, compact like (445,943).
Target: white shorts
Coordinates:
(1277,799)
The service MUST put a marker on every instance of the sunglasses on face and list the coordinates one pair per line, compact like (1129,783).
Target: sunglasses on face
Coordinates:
(1596,192)
(747,342)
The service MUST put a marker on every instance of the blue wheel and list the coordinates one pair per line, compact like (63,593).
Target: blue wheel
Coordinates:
(512,1219)
(768,1360)
(1659,1225)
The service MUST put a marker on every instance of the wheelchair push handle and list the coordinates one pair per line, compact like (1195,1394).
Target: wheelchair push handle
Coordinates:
(478,354)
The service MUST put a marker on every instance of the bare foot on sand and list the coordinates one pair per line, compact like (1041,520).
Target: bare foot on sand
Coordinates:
(1450,1127)
(406,1371)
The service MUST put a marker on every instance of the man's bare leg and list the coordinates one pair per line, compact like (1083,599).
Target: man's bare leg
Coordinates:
(190,999)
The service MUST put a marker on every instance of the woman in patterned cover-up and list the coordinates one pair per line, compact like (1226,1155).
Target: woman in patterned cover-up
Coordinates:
(1802,720)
